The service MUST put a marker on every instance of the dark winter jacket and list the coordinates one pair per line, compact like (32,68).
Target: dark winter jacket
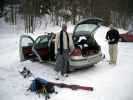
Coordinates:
(63,41)
(112,36)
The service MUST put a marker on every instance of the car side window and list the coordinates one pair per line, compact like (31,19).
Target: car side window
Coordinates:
(41,42)
(26,42)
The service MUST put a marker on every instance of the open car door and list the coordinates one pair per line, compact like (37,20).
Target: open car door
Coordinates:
(25,47)
(41,49)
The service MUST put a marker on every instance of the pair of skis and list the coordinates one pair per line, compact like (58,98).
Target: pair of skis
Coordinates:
(72,87)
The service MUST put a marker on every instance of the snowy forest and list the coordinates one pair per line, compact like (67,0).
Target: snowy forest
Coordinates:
(118,12)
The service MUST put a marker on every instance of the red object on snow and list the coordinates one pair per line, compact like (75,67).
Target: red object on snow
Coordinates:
(73,87)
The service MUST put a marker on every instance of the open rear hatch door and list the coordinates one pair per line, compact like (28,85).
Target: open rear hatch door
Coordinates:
(87,26)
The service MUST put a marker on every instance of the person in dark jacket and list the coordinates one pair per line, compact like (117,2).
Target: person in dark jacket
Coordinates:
(113,37)
(62,52)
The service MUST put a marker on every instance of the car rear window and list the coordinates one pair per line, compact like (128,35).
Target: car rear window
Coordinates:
(85,27)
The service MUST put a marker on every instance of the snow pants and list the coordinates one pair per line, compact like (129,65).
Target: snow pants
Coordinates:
(113,53)
(62,63)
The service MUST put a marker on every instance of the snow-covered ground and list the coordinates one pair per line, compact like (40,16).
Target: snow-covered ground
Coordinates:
(109,82)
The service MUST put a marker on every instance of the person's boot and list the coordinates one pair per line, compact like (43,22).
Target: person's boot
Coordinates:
(110,62)
(58,76)
(65,75)
(114,63)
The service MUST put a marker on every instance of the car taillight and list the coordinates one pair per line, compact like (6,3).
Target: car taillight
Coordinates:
(76,52)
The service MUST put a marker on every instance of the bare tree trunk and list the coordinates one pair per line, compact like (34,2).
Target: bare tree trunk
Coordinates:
(13,14)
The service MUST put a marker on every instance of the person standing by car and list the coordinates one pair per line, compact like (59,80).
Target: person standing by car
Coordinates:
(113,37)
(63,49)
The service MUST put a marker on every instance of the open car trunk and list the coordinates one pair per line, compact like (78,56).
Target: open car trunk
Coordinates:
(87,45)
(83,37)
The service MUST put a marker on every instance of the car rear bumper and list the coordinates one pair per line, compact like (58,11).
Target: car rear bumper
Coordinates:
(79,62)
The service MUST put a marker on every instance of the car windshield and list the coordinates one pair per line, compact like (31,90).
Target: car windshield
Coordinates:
(85,28)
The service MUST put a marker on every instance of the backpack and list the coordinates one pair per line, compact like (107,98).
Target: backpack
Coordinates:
(39,85)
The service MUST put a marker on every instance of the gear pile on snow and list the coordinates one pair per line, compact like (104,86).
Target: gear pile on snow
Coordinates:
(41,86)
(44,87)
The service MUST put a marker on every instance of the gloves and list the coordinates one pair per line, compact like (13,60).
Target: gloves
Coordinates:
(111,40)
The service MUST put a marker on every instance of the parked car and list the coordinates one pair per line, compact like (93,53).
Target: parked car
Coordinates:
(85,50)
(127,37)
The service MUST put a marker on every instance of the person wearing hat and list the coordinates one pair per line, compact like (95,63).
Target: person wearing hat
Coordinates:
(112,37)
(62,42)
